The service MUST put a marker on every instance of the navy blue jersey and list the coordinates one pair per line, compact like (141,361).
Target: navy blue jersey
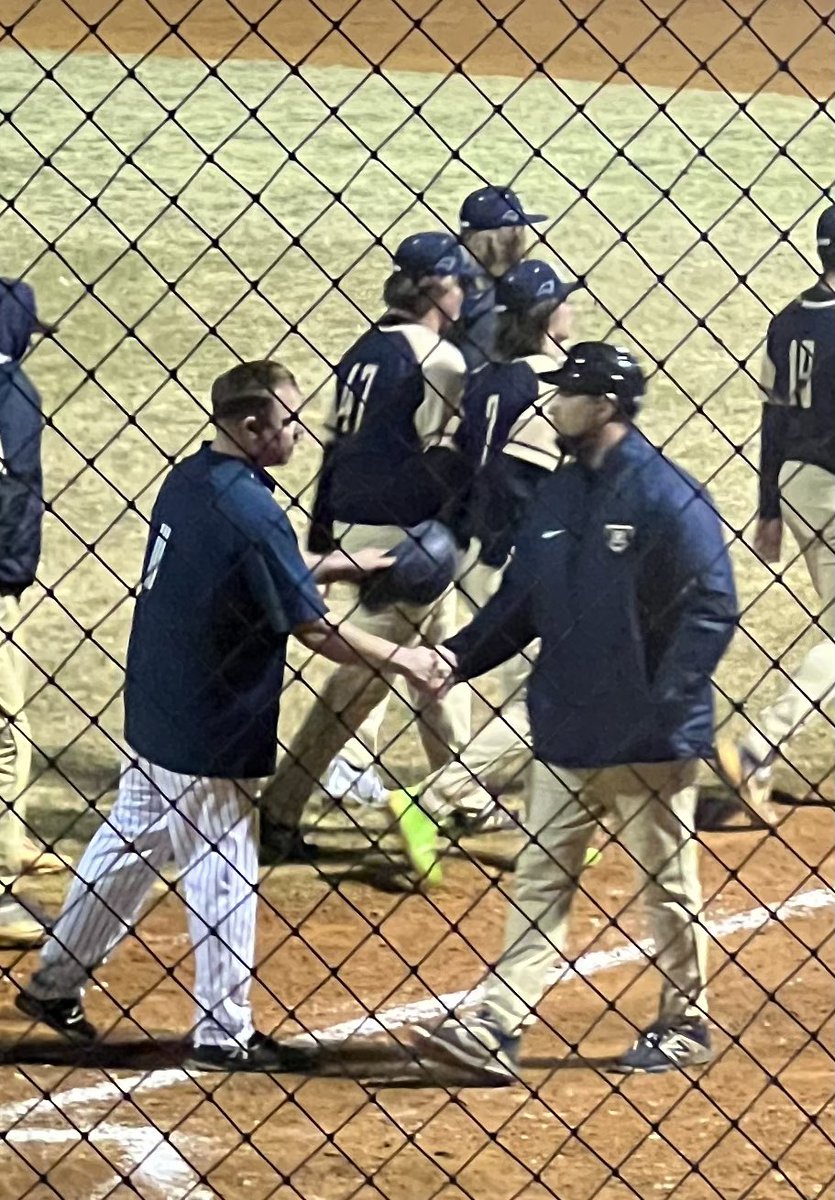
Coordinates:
(398,391)
(624,575)
(509,445)
(223,586)
(798,379)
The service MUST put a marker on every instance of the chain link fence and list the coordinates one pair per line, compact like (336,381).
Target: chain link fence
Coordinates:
(187,185)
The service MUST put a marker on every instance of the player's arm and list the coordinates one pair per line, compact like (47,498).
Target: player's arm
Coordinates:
(346,645)
(773,430)
(340,567)
(285,590)
(697,565)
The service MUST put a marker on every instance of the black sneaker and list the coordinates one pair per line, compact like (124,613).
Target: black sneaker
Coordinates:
(65,1016)
(667,1046)
(261,1053)
(280,846)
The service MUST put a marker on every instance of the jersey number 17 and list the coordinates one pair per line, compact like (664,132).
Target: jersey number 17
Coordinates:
(352,397)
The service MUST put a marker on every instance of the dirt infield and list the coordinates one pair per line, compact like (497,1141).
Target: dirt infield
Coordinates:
(757,1123)
(779,45)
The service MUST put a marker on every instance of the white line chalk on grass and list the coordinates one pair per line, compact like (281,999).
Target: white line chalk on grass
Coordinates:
(155,1162)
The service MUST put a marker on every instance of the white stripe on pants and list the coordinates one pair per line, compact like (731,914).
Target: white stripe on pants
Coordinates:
(209,827)
(653,807)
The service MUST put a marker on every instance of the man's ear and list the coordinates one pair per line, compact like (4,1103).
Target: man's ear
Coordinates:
(250,426)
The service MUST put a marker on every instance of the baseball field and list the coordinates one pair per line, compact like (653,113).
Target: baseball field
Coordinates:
(182,187)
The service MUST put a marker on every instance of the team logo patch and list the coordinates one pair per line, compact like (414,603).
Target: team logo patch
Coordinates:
(619,537)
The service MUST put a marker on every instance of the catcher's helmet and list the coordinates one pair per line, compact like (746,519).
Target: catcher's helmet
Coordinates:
(600,369)
(425,564)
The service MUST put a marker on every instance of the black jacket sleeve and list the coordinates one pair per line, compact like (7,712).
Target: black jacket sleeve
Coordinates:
(21,480)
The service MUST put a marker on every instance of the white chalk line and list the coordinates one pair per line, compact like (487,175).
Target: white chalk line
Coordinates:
(158,1163)
(593,963)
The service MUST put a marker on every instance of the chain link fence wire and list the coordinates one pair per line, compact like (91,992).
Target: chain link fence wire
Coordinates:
(187,185)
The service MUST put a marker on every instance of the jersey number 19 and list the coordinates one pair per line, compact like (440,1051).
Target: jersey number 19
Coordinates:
(801,368)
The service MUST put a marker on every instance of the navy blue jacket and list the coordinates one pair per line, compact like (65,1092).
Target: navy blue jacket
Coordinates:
(624,574)
(21,480)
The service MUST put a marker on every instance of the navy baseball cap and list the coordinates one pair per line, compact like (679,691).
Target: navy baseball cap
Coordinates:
(495,208)
(826,228)
(434,254)
(528,283)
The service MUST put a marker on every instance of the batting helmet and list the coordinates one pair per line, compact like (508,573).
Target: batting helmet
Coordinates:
(425,564)
(600,369)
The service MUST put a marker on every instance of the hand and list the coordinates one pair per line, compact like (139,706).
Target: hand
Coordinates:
(350,568)
(426,669)
(768,538)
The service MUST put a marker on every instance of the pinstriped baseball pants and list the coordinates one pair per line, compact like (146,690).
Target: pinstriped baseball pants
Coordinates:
(209,827)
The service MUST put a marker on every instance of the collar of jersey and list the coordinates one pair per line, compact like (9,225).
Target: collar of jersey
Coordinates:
(244,464)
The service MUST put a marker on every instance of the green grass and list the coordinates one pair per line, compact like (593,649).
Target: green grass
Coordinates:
(179,219)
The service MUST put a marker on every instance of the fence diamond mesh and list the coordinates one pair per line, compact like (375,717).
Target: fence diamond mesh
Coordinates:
(188,186)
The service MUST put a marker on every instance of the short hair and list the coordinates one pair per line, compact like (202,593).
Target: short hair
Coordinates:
(496,250)
(248,390)
(520,334)
(416,297)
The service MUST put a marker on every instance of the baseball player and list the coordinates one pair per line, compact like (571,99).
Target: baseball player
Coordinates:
(389,467)
(223,586)
(509,444)
(797,489)
(622,572)
(495,229)
(21,515)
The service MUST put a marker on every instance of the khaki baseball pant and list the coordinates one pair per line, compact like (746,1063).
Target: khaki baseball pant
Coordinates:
(351,693)
(15,741)
(808,508)
(651,810)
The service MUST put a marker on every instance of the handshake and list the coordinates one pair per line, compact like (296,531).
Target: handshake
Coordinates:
(430,670)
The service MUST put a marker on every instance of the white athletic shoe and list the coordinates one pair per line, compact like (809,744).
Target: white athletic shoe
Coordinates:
(345,782)
(750,778)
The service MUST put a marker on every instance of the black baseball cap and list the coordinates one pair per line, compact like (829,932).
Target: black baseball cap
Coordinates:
(528,283)
(495,208)
(826,229)
(440,254)
(600,369)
